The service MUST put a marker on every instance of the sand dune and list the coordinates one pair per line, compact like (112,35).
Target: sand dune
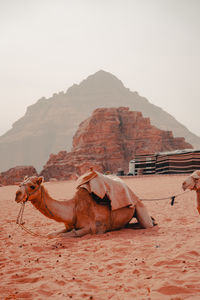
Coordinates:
(159,263)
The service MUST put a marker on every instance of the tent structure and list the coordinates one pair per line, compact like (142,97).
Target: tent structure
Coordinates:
(175,162)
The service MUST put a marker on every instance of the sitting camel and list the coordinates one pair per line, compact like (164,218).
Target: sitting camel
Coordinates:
(86,212)
(192,182)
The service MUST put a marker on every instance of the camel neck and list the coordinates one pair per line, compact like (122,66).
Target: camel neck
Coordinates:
(198,195)
(198,200)
(60,211)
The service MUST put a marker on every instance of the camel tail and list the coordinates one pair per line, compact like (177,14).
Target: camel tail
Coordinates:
(142,216)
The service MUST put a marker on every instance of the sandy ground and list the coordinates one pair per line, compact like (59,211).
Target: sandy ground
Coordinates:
(159,263)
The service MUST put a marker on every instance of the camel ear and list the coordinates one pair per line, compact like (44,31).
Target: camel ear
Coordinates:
(40,180)
(196,174)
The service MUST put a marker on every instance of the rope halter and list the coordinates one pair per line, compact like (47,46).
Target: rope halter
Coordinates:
(30,188)
(19,220)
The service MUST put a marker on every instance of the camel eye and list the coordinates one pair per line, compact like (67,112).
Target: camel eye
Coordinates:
(32,187)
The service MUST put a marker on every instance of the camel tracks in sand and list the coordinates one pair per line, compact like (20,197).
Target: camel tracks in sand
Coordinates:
(158,264)
(177,290)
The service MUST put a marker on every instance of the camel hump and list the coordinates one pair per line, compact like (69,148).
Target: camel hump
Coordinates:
(142,216)
(117,190)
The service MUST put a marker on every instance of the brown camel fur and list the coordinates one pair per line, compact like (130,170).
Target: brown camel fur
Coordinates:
(81,214)
(192,182)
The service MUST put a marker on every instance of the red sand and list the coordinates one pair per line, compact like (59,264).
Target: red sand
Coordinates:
(159,263)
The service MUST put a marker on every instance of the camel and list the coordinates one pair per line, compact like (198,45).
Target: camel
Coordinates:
(82,214)
(192,182)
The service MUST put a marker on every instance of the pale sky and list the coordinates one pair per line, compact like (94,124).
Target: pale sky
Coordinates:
(153,46)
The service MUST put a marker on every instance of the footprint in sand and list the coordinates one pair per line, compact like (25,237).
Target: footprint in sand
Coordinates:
(189,255)
(174,262)
(60,282)
(22,295)
(174,290)
(45,290)
(193,253)
(20,280)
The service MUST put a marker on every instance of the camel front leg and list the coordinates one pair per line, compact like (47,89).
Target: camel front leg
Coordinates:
(57,233)
(76,233)
(68,227)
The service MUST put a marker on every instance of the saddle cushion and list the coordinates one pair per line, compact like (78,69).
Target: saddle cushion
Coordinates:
(117,191)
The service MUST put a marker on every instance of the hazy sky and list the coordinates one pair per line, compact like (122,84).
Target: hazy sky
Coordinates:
(153,46)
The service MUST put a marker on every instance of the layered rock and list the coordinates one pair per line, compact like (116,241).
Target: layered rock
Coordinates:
(49,125)
(16,175)
(108,140)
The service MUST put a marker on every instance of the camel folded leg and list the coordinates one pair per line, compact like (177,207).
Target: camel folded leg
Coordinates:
(143,217)
(56,233)
(76,233)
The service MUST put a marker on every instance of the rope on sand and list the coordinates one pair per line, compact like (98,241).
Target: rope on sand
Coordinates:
(21,223)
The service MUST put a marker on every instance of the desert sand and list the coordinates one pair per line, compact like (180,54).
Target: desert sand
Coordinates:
(158,263)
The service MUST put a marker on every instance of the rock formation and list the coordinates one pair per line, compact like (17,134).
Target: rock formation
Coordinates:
(16,175)
(49,125)
(108,140)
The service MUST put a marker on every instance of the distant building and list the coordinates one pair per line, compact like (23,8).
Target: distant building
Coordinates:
(174,162)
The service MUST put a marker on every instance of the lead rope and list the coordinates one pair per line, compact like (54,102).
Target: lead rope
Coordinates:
(20,222)
(170,197)
(20,214)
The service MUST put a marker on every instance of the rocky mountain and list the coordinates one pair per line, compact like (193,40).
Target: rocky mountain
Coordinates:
(108,140)
(16,175)
(49,125)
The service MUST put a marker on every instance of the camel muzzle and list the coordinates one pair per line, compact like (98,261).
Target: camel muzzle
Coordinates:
(19,198)
(184,186)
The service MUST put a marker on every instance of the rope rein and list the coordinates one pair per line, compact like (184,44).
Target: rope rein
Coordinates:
(169,197)
(31,232)
(20,222)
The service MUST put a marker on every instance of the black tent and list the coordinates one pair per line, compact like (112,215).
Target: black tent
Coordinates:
(174,162)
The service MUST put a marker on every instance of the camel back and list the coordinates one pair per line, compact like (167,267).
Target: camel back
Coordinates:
(117,191)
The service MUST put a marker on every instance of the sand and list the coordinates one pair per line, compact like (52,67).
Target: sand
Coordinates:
(159,263)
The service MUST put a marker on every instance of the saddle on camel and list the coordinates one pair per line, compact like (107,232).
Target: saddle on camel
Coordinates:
(101,203)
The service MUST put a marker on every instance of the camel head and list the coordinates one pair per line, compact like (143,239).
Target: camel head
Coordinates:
(28,189)
(192,182)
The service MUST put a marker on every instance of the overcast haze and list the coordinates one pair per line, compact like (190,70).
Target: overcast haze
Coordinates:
(153,46)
